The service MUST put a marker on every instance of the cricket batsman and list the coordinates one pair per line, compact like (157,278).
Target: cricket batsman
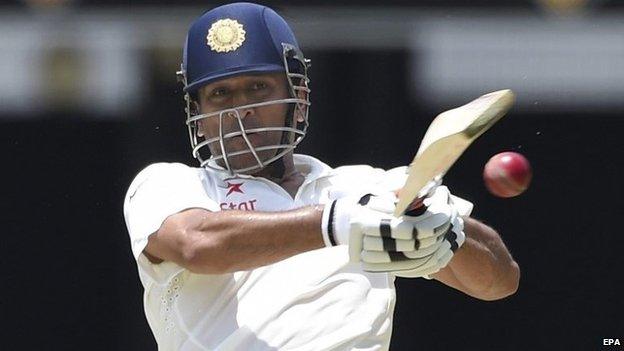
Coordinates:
(259,248)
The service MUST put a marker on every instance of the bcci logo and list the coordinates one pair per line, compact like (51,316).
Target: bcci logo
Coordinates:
(225,35)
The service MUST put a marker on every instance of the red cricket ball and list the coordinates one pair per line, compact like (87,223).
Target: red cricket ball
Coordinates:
(507,174)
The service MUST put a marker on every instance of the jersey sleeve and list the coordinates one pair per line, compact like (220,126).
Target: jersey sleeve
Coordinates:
(157,192)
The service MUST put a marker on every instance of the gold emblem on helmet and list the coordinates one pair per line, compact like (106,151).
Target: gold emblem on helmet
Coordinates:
(225,35)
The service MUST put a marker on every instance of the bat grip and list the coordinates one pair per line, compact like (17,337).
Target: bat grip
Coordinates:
(417,207)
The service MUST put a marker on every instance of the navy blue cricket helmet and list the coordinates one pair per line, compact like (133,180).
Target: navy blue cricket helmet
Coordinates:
(237,39)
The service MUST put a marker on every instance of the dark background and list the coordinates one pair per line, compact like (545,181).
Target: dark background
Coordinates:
(70,282)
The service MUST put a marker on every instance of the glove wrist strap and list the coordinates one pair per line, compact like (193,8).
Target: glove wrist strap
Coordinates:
(327,225)
(336,222)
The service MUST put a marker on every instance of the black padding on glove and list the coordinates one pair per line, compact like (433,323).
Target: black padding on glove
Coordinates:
(452,238)
(397,256)
(365,199)
(389,244)
(418,211)
(384,228)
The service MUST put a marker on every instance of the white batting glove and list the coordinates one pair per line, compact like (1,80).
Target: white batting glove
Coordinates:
(450,242)
(384,243)
(438,233)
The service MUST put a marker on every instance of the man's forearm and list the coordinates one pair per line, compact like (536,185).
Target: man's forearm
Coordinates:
(230,241)
(483,265)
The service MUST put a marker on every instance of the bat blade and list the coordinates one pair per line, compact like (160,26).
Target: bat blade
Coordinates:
(446,139)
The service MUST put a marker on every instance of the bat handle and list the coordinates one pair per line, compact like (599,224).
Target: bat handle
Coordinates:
(417,207)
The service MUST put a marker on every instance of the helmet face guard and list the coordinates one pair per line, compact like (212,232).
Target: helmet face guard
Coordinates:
(292,131)
(244,39)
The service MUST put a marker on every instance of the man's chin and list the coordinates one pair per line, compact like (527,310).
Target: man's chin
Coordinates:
(247,160)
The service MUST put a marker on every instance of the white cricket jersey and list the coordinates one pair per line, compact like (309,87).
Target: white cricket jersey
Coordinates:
(316,300)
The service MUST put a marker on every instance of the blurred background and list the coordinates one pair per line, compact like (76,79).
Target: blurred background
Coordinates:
(88,97)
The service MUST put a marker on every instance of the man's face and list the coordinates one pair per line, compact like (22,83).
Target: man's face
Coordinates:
(239,91)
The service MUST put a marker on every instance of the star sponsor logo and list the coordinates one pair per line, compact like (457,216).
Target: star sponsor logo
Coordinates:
(242,206)
(235,185)
(234,188)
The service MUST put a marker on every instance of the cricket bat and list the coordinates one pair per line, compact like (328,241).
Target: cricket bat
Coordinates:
(446,139)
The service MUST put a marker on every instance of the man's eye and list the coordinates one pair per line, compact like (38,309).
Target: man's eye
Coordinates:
(219,92)
(259,86)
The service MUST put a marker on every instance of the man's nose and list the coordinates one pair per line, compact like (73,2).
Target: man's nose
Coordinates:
(241,99)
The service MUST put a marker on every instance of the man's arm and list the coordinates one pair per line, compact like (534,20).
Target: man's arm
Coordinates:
(482,267)
(229,241)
